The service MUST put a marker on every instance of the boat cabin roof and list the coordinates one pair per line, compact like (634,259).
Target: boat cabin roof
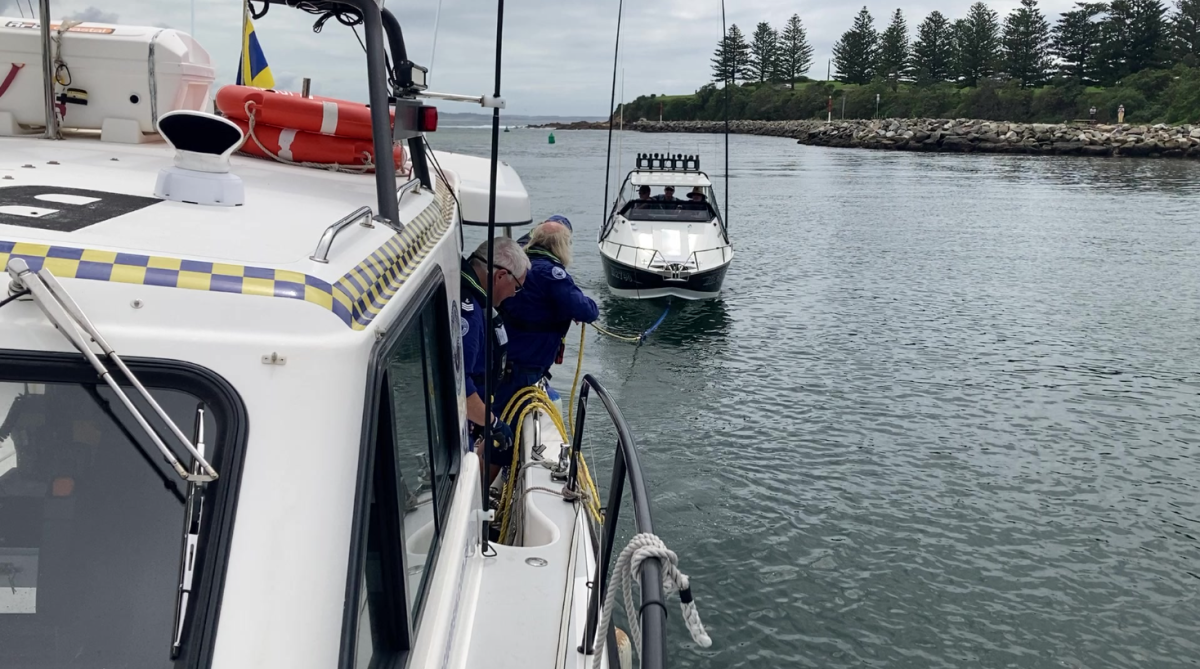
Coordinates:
(87,210)
(661,178)
(285,212)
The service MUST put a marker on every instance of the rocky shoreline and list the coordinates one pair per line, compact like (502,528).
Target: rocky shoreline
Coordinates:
(964,136)
(573,125)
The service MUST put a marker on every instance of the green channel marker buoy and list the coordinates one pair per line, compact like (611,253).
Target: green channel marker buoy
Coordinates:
(551,138)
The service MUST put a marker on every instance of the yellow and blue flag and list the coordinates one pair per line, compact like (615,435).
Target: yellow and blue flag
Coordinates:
(253,69)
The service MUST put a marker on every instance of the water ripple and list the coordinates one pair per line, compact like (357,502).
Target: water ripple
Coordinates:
(945,414)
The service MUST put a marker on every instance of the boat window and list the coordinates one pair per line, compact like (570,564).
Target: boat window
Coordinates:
(681,211)
(415,460)
(91,525)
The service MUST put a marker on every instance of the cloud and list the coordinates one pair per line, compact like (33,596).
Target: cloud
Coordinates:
(14,8)
(558,56)
(95,15)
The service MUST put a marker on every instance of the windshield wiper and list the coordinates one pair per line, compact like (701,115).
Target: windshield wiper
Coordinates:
(106,408)
(193,515)
(68,318)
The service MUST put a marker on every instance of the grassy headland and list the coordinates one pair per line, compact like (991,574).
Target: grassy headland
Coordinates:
(1149,96)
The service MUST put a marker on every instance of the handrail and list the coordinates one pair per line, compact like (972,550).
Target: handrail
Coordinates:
(693,259)
(321,254)
(653,613)
(413,184)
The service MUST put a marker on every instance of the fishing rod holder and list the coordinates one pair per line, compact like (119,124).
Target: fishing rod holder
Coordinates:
(668,163)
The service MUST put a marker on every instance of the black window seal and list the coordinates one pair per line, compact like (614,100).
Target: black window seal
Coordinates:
(443,492)
(376,375)
(232,420)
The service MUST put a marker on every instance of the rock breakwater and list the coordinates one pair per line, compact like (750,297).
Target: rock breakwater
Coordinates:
(964,136)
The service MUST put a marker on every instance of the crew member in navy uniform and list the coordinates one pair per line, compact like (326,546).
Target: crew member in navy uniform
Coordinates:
(509,265)
(540,316)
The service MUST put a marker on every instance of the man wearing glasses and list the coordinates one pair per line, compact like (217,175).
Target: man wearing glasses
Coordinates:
(540,316)
(509,265)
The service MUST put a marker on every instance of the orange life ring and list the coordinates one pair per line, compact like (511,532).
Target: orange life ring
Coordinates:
(310,147)
(283,109)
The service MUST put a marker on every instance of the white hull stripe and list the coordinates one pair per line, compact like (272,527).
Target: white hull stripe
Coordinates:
(329,118)
(286,137)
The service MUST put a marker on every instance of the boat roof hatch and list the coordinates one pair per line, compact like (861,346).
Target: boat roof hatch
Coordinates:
(676,179)
(474,179)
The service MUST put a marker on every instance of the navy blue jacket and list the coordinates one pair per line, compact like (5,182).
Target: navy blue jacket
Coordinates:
(540,315)
(474,337)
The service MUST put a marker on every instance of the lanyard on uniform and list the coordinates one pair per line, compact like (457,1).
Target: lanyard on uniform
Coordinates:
(543,252)
(471,280)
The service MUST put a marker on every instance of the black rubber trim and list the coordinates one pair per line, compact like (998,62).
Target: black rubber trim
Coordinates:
(366,461)
(229,413)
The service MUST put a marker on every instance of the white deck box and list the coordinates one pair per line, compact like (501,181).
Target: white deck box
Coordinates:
(130,75)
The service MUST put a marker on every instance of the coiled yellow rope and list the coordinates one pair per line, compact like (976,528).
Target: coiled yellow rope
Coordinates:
(525,401)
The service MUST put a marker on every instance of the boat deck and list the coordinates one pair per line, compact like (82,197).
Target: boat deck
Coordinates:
(533,598)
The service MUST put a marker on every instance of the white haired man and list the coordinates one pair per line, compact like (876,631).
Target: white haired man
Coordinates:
(509,268)
(540,316)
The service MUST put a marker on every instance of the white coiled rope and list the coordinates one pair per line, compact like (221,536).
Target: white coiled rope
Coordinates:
(628,570)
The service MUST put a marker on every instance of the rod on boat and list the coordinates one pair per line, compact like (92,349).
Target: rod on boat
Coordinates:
(52,131)
(489,380)
(611,110)
(725,209)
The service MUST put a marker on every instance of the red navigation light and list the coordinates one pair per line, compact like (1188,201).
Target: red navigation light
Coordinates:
(427,121)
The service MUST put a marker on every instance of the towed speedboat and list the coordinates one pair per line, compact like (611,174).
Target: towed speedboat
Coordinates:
(663,248)
(275,469)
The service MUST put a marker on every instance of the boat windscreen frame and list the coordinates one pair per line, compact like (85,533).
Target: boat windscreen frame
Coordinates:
(221,496)
(619,202)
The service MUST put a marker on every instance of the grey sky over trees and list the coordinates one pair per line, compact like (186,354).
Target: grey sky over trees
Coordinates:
(557,55)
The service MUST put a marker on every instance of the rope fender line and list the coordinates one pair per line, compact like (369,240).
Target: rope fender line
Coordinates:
(628,570)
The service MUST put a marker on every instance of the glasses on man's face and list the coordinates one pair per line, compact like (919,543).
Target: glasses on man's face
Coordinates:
(514,278)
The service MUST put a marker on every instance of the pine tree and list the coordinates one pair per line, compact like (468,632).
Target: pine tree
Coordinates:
(795,53)
(894,53)
(1134,37)
(1075,41)
(1185,32)
(855,53)
(763,53)
(977,44)
(1026,43)
(730,60)
(932,53)
(1149,37)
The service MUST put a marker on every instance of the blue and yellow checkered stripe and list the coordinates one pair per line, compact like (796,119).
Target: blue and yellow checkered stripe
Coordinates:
(365,290)
(356,298)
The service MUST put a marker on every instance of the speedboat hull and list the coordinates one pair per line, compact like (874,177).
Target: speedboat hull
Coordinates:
(636,283)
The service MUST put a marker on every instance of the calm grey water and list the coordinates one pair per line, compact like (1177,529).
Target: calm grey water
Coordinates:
(945,414)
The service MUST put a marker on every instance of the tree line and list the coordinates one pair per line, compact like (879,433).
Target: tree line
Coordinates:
(1094,44)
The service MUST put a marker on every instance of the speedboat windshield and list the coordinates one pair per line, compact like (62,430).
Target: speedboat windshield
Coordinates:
(682,212)
(92,520)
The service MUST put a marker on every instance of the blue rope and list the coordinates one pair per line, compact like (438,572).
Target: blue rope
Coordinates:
(642,337)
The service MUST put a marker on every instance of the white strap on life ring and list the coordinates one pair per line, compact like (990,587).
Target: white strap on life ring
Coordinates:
(329,118)
(286,137)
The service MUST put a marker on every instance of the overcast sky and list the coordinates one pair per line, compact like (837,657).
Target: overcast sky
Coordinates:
(557,54)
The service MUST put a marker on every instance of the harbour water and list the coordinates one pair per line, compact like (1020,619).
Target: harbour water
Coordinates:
(945,414)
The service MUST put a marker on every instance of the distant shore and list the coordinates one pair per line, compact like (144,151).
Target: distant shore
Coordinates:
(573,125)
(954,135)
